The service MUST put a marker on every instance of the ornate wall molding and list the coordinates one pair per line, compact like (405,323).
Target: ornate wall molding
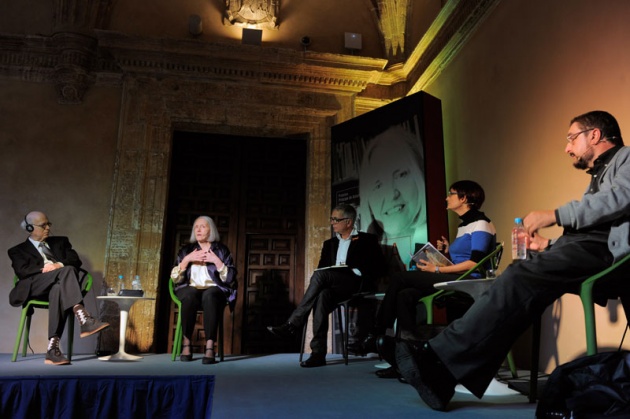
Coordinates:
(81,15)
(74,61)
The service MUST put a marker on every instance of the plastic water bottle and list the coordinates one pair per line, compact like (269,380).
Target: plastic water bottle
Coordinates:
(121,283)
(519,240)
(135,284)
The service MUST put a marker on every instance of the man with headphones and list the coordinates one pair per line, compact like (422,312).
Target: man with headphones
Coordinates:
(48,268)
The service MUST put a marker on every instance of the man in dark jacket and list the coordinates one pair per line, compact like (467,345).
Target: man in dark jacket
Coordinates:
(347,260)
(48,269)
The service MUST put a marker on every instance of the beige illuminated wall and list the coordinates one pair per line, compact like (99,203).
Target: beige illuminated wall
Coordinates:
(507,101)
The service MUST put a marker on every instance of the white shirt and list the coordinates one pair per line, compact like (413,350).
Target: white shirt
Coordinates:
(39,249)
(342,250)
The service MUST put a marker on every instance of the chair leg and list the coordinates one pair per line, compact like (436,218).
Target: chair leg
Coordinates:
(220,342)
(177,339)
(589,322)
(344,331)
(303,339)
(70,335)
(20,332)
(27,333)
(512,365)
(533,372)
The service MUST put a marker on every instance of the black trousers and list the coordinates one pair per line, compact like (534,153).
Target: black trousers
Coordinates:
(401,298)
(326,289)
(473,347)
(211,300)
(62,289)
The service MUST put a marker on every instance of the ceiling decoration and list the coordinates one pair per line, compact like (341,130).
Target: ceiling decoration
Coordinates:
(259,14)
(393,17)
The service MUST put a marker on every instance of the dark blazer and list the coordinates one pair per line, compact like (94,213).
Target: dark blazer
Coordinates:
(228,286)
(364,254)
(27,262)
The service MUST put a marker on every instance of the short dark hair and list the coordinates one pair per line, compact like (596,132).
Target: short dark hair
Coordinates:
(347,210)
(603,121)
(472,191)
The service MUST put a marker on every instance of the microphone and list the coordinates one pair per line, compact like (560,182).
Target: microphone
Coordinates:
(585,151)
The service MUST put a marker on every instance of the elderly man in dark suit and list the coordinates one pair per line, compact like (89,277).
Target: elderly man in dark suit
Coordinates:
(47,269)
(347,260)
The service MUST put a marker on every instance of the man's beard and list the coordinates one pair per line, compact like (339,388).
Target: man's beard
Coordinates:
(580,164)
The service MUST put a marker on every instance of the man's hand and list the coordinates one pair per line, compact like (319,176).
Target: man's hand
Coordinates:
(51,267)
(537,243)
(536,220)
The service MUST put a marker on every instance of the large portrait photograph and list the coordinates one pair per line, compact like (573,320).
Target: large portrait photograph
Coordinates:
(380,165)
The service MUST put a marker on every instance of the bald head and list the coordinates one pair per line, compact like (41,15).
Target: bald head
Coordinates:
(37,224)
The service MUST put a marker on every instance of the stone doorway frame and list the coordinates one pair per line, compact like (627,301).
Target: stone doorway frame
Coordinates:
(151,110)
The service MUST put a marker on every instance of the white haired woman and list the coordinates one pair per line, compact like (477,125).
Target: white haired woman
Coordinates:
(204,277)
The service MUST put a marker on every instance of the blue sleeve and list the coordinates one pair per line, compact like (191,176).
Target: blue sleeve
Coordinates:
(482,243)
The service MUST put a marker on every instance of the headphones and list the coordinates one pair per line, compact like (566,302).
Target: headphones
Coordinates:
(27,226)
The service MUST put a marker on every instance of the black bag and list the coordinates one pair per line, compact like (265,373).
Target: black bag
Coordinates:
(596,386)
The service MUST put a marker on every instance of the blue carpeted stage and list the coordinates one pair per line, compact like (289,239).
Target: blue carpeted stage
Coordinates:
(248,386)
(98,396)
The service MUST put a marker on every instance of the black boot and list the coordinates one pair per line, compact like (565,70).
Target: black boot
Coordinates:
(286,330)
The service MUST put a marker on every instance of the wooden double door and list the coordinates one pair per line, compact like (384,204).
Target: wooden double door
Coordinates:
(254,189)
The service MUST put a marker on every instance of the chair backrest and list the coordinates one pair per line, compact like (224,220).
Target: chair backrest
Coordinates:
(493,258)
(172,293)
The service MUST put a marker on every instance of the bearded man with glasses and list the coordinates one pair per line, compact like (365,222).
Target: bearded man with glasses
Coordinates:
(349,261)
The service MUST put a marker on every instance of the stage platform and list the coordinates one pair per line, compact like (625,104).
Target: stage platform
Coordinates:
(275,386)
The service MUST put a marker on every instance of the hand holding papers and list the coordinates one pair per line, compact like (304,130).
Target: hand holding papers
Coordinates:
(430,254)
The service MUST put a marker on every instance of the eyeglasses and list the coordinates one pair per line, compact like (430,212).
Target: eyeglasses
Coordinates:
(43,226)
(449,193)
(572,137)
(336,220)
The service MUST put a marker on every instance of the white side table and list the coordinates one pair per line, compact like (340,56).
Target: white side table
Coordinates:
(124,304)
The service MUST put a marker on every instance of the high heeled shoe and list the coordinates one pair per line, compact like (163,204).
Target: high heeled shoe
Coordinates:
(209,359)
(186,358)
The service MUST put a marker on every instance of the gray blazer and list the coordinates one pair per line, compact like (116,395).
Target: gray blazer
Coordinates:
(610,204)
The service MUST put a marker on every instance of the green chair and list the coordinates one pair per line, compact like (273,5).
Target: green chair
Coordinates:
(586,295)
(493,259)
(177,338)
(24,326)
(588,305)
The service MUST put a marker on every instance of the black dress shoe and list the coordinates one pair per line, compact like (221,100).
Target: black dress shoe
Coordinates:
(421,368)
(386,346)
(390,372)
(366,346)
(208,360)
(286,330)
(186,358)
(315,360)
